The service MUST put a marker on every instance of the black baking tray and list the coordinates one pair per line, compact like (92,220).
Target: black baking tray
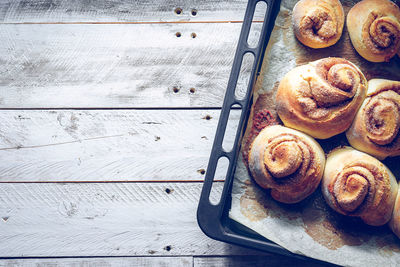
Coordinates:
(213,219)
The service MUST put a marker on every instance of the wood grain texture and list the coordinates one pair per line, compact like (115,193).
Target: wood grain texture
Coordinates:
(105,219)
(107,145)
(101,262)
(110,54)
(117,65)
(25,11)
(253,261)
(198,261)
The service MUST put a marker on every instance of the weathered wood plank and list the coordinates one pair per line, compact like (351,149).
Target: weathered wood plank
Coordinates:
(105,219)
(253,261)
(232,261)
(101,262)
(17,11)
(107,145)
(117,65)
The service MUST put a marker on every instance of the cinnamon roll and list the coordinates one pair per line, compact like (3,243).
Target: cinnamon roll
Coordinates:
(374,28)
(286,161)
(317,23)
(322,97)
(357,184)
(394,223)
(375,129)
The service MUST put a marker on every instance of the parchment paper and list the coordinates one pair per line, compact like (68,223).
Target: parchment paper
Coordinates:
(311,228)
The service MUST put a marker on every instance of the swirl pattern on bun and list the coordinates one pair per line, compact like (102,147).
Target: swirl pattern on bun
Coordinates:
(317,23)
(322,97)
(375,129)
(374,28)
(286,161)
(357,184)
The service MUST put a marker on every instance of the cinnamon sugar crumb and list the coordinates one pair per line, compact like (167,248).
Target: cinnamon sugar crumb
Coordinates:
(261,119)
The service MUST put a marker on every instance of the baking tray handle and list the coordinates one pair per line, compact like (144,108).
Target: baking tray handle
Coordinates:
(209,215)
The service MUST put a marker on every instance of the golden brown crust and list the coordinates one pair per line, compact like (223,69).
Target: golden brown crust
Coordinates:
(375,129)
(374,28)
(286,161)
(394,223)
(322,97)
(357,184)
(317,23)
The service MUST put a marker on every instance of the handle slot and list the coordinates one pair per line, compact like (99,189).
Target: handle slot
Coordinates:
(255,30)
(220,174)
(231,130)
(243,82)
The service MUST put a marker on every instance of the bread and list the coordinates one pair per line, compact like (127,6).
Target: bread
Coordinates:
(394,222)
(286,161)
(357,184)
(322,97)
(375,129)
(374,28)
(317,23)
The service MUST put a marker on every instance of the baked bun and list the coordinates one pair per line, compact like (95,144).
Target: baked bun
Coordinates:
(357,184)
(322,97)
(317,23)
(394,223)
(374,28)
(375,129)
(286,161)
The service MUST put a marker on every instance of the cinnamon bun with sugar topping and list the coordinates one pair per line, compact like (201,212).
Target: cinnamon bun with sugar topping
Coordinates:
(288,162)
(375,129)
(322,97)
(317,23)
(357,184)
(374,28)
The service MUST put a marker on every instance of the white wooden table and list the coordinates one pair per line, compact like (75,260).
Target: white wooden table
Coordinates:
(108,114)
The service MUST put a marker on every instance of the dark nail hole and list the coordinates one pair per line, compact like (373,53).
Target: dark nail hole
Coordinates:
(157,138)
(194,12)
(193,35)
(178,10)
(201,171)
(175,89)
(192,90)
(167,248)
(168,191)
(178,34)
(208,117)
